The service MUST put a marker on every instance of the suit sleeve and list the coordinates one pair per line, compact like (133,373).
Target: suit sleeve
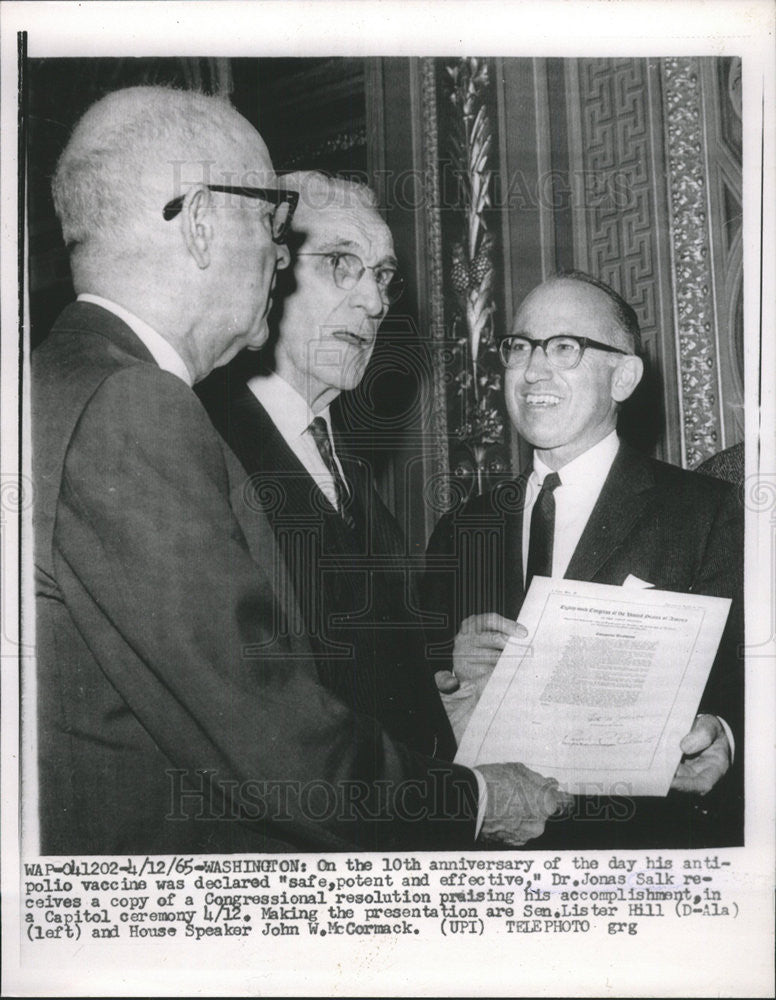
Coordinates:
(158,578)
(720,573)
(438,593)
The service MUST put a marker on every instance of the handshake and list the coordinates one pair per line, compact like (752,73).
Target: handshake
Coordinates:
(519,803)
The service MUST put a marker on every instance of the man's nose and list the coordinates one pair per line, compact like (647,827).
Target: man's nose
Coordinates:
(538,366)
(366,294)
(283,256)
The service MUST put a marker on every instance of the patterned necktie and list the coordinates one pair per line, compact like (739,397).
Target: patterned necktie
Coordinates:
(542,531)
(320,432)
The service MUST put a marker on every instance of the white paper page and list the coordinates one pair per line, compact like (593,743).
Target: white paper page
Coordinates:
(603,689)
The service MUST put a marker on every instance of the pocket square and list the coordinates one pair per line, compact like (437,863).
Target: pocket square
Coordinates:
(636,583)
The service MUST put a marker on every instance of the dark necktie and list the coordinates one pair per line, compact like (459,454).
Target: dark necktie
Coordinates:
(542,531)
(320,432)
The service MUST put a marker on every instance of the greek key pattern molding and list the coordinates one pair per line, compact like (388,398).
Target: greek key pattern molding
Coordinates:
(617,183)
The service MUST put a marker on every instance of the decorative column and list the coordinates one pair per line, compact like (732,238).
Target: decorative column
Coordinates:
(440,357)
(475,410)
(693,279)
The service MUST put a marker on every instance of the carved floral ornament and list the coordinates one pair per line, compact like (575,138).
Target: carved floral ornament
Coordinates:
(478,455)
(693,302)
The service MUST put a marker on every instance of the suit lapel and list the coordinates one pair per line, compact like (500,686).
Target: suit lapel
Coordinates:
(264,453)
(362,497)
(623,501)
(268,451)
(257,530)
(258,443)
(251,436)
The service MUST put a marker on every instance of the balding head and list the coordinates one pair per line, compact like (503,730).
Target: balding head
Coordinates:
(564,392)
(626,331)
(201,276)
(136,149)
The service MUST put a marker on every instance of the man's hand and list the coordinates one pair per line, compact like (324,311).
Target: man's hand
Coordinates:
(706,756)
(478,645)
(519,803)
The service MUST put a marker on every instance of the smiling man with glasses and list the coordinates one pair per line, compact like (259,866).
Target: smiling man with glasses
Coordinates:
(589,507)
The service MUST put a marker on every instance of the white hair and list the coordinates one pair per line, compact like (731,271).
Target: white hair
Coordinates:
(101,184)
(319,191)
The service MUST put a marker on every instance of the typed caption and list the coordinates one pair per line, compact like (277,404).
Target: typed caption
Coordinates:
(203,898)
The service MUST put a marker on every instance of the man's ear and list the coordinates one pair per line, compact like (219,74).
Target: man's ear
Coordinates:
(626,376)
(196,216)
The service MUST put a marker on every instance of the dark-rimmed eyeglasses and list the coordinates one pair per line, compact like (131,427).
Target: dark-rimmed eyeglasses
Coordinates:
(564,351)
(347,269)
(284,201)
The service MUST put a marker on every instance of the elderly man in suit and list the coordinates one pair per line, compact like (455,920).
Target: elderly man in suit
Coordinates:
(179,708)
(591,508)
(344,551)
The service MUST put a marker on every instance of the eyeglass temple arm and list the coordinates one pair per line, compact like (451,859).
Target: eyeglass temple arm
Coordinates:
(274,195)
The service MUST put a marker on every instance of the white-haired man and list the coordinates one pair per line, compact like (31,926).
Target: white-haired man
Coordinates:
(179,709)
(344,551)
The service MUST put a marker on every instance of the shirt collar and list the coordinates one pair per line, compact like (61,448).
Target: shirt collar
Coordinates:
(161,350)
(588,469)
(288,410)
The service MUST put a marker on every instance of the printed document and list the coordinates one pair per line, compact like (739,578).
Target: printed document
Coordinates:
(603,688)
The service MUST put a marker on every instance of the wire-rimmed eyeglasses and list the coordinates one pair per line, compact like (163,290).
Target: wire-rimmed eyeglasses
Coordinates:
(347,269)
(284,201)
(562,351)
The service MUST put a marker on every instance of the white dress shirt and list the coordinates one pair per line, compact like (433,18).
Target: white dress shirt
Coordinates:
(581,482)
(292,416)
(161,350)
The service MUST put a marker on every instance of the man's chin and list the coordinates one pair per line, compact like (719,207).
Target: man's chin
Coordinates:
(541,433)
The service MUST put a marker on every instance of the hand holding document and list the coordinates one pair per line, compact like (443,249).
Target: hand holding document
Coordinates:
(601,692)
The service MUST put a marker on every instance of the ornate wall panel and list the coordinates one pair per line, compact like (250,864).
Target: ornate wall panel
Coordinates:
(478,451)
(616,183)
(696,320)
(312,114)
(620,220)
(437,418)
(721,84)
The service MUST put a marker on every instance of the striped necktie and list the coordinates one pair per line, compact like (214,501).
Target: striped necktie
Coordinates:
(320,432)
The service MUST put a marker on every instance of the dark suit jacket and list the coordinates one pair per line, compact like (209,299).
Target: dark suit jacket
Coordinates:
(178,703)
(352,583)
(674,529)
(729,465)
